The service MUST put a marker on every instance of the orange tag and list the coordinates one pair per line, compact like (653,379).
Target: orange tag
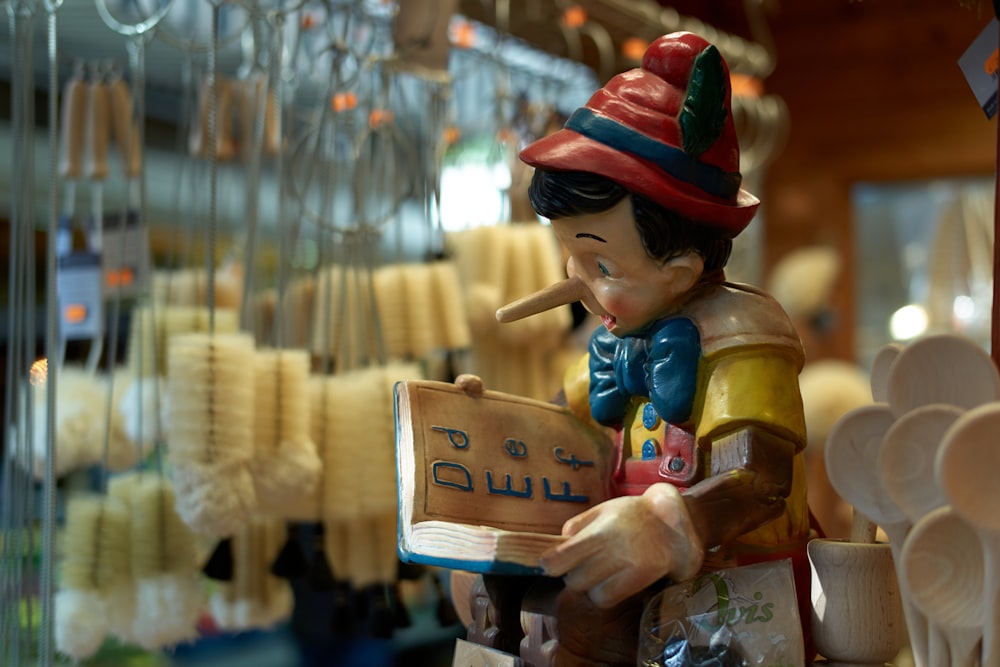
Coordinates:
(990,66)
(75,313)
(379,117)
(121,278)
(451,135)
(463,35)
(633,48)
(344,101)
(746,86)
(78,291)
(574,16)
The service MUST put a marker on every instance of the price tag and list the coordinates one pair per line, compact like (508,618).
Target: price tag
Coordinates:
(468,654)
(125,253)
(980,63)
(78,293)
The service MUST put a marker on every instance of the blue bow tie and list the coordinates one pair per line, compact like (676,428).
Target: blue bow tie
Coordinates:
(630,366)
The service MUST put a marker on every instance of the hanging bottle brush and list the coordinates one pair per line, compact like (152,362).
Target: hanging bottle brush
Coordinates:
(342,301)
(165,569)
(120,452)
(337,495)
(121,597)
(141,409)
(372,554)
(95,558)
(78,416)
(254,599)
(481,261)
(285,463)
(391,301)
(149,336)
(210,388)
(453,319)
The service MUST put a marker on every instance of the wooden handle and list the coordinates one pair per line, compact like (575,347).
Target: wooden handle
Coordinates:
(247,92)
(125,128)
(272,125)
(256,97)
(74,128)
(225,148)
(199,130)
(98,130)
(863,529)
(223,107)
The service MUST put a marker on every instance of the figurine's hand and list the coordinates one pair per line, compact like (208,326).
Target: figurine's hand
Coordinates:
(623,545)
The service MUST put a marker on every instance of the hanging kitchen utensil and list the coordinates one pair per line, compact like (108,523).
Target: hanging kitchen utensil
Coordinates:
(96,556)
(254,599)
(906,465)
(964,469)
(880,371)
(164,567)
(942,565)
(906,458)
(210,393)
(285,464)
(942,368)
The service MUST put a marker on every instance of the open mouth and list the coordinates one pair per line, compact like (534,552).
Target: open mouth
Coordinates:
(608,321)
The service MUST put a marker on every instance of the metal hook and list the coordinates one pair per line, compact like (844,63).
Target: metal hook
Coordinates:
(605,48)
(133,29)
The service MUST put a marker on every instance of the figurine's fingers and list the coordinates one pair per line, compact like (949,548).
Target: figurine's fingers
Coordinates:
(562,558)
(574,525)
(591,573)
(619,586)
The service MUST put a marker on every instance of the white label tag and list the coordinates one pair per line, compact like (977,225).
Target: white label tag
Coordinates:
(468,654)
(78,293)
(979,63)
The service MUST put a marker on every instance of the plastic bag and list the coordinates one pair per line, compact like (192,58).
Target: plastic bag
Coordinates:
(738,617)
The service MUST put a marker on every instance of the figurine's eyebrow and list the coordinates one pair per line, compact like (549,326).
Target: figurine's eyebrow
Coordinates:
(586,235)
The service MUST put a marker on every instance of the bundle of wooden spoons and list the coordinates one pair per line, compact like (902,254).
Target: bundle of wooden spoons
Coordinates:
(921,464)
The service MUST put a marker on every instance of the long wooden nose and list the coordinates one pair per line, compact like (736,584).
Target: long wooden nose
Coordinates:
(553,296)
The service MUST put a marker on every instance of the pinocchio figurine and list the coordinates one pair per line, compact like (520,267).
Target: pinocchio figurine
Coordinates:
(698,376)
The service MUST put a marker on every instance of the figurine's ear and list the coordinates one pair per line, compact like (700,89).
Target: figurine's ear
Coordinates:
(685,270)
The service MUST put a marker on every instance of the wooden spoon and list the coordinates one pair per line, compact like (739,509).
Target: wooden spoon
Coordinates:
(966,467)
(906,463)
(880,371)
(943,569)
(906,460)
(851,457)
(942,368)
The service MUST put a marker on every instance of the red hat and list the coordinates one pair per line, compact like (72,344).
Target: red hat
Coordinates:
(664,130)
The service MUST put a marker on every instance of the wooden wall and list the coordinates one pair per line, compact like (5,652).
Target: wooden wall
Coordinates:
(875,94)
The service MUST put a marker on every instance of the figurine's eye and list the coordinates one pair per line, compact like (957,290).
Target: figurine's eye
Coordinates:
(603,268)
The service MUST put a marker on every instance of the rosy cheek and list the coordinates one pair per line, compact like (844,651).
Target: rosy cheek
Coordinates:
(615,302)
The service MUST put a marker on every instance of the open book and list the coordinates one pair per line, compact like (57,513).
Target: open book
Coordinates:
(487,481)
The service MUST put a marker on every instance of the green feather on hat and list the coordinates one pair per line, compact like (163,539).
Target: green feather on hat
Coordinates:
(704,114)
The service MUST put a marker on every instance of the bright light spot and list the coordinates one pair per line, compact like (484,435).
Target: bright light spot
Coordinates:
(472,195)
(39,372)
(908,322)
(964,308)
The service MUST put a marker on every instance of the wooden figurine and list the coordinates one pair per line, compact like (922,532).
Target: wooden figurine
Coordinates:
(696,375)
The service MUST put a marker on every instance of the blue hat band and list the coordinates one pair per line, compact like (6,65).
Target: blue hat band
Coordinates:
(674,161)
